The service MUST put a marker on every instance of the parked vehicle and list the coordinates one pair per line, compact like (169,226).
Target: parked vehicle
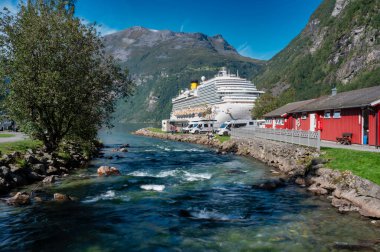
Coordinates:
(225,128)
(189,126)
(203,127)
(173,125)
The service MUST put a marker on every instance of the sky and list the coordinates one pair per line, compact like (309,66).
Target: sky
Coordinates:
(256,28)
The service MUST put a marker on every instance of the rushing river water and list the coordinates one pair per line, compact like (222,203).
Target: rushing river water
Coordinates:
(182,197)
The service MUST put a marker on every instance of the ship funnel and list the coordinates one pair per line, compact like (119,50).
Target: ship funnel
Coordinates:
(194,84)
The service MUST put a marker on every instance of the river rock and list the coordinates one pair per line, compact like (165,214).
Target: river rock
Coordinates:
(4,171)
(61,197)
(107,171)
(123,150)
(270,184)
(49,179)
(52,170)
(20,199)
(30,159)
(39,168)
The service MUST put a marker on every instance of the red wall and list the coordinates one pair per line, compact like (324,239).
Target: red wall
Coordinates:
(349,122)
(372,127)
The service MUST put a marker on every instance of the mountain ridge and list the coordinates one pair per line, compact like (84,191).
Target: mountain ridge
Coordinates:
(162,62)
(339,46)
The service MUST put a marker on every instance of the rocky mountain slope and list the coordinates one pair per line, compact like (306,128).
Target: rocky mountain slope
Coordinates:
(340,46)
(163,62)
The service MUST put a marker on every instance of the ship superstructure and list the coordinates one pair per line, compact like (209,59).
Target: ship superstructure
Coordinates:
(222,98)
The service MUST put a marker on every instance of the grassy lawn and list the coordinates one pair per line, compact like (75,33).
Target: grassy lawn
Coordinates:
(361,163)
(222,139)
(156,130)
(6,135)
(20,146)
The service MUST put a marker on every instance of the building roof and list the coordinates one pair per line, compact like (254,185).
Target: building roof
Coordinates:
(287,108)
(351,99)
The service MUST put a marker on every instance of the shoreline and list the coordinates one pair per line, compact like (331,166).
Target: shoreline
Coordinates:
(38,168)
(300,165)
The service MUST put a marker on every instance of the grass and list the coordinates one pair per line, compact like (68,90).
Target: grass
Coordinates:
(21,146)
(6,135)
(155,130)
(362,163)
(222,139)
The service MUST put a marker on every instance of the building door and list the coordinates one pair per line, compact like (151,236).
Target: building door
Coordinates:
(313,122)
(365,117)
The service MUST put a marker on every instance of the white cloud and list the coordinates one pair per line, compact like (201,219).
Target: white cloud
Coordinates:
(10,5)
(184,23)
(182,26)
(101,28)
(246,50)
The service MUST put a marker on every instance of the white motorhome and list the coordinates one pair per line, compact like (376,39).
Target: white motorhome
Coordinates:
(203,126)
(225,128)
(189,126)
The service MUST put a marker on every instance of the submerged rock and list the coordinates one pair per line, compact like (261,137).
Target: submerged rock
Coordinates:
(353,247)
(61,197)
(270,184)
(107,171)
(20,199)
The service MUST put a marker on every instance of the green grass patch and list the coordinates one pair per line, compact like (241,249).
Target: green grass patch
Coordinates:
(21,146)
(362,163)
(156,130)
(5,135)
(222,139)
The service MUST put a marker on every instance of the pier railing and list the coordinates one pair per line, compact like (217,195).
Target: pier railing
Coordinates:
(300,137)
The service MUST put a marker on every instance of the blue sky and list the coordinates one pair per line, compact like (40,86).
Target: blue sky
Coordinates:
(256,28)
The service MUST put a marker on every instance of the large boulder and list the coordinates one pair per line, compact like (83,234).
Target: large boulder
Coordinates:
(20,199)
(107,171)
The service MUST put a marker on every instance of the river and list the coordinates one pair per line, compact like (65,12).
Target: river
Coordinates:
(178,197)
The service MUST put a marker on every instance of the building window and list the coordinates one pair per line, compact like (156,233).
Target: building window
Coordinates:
(280,121)
(336,114)
(304,116)
(327,114)
(268,121)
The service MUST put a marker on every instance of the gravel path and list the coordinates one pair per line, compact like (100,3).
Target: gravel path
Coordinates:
(18,137)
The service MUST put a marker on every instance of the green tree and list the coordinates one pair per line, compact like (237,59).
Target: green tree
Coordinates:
(264,104)
(60,84)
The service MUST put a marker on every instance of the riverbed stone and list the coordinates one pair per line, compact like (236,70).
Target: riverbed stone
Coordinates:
(52,170)
(107,171)
(49,179)
(20,199)
(61,197)
(39,168)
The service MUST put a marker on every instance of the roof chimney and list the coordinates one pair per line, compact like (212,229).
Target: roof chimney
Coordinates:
(334,91)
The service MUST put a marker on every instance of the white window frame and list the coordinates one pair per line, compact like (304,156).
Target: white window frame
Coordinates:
(336,111)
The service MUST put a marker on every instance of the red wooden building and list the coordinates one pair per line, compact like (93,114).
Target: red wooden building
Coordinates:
(356,112)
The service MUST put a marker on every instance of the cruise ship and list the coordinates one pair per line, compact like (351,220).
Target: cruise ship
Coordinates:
(222,98)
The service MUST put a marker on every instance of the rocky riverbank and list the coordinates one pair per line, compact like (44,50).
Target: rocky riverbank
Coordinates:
(36,166)
(298,164)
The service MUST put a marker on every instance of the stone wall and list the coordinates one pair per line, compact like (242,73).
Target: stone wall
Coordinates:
(299,164)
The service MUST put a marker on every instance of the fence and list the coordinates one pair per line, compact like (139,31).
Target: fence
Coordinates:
(301,137)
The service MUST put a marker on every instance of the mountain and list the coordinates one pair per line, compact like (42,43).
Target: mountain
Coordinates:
(340,46)
(164,62)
